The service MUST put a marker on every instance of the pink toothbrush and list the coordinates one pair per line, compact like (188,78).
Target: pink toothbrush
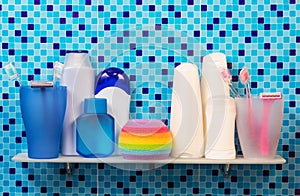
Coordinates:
(227,78)
(268,99)
(245,79)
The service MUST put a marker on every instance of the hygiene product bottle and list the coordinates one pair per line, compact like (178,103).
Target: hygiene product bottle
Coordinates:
(218,109)
(186,113)
(79,77)
(113,85)
(95,134)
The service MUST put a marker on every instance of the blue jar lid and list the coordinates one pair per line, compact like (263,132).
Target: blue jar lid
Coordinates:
(95,106)
(112,76)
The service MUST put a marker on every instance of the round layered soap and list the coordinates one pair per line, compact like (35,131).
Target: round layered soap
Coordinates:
(145,140)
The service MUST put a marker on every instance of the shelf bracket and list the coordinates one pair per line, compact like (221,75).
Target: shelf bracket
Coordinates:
(226,171)
(69,169)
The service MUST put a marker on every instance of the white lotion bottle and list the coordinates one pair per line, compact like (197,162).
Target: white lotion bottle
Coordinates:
(218,109)
(186,113)
(79,77)
(114,85)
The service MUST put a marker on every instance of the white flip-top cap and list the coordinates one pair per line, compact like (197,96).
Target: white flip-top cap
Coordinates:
(77,58)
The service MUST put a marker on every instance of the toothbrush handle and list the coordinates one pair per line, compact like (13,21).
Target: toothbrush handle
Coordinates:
(248,89)
(235,91)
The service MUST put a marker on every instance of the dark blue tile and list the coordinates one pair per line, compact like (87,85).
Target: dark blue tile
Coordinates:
(197,33)
(75,14)
(12,170)
(241,2)
(254,33)
(216,20)
(292,52)
(106,27)
(177,14)
(139,2)
(279,13)
(222,33)
(165,21)
(190,2)
(69,8)
(100,8)
(126,65)
(139,53)
(69,33)
(43,190)
(247,39)
(17,32)
(43,39)
(170,58)
(260,20)
(157,96)
(228,14)
(50,8)
(267,46)
(273,7)
(62,20)
(88,2)
(24,39)
(151,58)
(126,14)
(151,8)
(267,26)
(11,52)
(114,20)
(235,27)
(171,8)
(4,45)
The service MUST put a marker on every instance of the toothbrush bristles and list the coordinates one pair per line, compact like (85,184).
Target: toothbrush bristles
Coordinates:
(12,73)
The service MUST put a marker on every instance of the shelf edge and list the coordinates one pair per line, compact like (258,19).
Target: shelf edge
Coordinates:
(23,157)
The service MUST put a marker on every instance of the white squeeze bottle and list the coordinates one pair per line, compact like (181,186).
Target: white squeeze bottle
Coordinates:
(186,113)
(79,77)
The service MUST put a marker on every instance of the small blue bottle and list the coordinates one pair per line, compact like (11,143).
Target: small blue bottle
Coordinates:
(95,134)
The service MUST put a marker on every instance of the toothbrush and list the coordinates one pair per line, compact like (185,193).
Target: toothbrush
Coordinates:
(245,79)
(57,72)
(268,99)
(227,78)
(12,73)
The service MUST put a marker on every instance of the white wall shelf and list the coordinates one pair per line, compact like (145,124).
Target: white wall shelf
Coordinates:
(23,157)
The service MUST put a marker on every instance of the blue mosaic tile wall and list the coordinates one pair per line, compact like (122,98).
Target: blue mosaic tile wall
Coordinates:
(147,39)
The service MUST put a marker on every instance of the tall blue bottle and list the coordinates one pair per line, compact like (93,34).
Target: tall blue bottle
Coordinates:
(113,84)
(95,134)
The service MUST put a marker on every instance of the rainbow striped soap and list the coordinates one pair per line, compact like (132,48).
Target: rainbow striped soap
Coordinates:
(145,140)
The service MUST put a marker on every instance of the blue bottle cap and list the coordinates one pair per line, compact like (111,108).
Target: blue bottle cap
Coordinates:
(112,77)
(95,106)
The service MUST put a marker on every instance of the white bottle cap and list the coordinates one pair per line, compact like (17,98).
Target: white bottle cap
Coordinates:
(77,58)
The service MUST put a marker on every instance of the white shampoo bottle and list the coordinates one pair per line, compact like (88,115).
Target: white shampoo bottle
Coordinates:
(186,113)
(79,77)
(218,109)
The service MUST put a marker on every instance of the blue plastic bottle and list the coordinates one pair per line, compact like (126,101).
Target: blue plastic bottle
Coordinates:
(113,85)
(95,134)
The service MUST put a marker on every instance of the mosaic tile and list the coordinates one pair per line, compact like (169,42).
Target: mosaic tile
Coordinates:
(140,36)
